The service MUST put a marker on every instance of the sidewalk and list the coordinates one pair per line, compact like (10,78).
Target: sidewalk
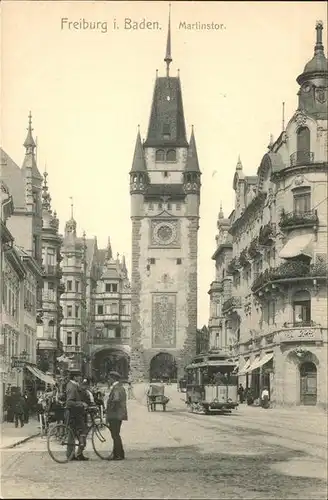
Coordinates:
(11,437)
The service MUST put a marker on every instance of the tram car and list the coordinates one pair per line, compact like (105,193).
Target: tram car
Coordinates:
(212,384)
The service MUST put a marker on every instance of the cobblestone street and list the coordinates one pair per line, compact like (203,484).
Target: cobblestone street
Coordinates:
(250,454)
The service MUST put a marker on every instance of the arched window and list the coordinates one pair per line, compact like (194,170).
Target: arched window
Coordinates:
(171,155)
(160,155)
(303,145)
(301,308)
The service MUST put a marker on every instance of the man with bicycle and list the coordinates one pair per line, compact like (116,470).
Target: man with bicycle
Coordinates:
(76,408)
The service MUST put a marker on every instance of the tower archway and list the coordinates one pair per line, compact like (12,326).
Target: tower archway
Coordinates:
(163,367)
(107,360)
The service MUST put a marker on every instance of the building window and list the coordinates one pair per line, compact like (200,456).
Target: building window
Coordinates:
(179,261)
(166,131)
(303,141)
(51,285)
(69,285)
(165,174)
(302,200)
(114,308)
(69,311)
(169,206)
(271,312)
(77,311)
(160,155)
(160,206)
(100,309)
(77,338)
(114,288)
(69,338)
(302,308)
(178,206)
(77,286)
(35,247)
(118,332)
(152,261)
(51,260)
(171,155)
(108,287)
(123,309)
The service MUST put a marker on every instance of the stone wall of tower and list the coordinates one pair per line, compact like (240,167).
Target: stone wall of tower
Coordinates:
(181,281)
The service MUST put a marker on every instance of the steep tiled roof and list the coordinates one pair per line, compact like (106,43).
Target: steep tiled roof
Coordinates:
(13,176)
(167,124)
(139,163)
(192,164)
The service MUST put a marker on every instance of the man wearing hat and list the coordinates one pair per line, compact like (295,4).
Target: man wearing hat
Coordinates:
(76,408)
(116,412)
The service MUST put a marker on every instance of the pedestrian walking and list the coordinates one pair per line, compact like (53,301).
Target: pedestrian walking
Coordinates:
(116,412)
(265,398)
(241,393)
(77,421)
(27,407)
(18,404)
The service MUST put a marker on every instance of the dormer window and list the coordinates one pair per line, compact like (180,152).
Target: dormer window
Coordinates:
(160,155)
(171,155)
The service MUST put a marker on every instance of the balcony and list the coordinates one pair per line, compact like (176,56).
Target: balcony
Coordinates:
(290,271)
(233,266)
(244,258)
(292,220)
(301,158)
(267,235)
(231,305)
(299,335)
(107,318)
(254,249)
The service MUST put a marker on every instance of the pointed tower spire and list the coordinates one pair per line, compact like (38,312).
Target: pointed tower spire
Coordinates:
(72,207)
(124,268)
(192,164)
(239,165)
(168,57)
(318,45)
(29,143)
(109,253)
(221,214)
(46,198)
(138,164)
(29,163)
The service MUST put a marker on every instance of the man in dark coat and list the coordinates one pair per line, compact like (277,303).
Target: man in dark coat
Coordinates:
(18,404)
(76,408)
(116,412)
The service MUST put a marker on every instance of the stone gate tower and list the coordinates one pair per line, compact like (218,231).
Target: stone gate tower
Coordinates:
(165,197)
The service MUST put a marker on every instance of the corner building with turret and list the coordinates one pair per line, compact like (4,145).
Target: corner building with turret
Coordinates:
(165,197)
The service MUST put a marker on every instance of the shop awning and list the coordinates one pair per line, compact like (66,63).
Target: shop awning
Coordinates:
(253,365)
(245,368)
(258,362)
(300,244)
(41,375)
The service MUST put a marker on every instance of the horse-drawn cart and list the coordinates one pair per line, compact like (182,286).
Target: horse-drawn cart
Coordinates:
(156,396)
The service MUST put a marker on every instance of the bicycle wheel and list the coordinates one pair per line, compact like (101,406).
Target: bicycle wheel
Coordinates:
(59,437)
(101,440)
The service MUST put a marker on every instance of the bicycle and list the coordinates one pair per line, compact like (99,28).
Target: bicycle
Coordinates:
(62,435)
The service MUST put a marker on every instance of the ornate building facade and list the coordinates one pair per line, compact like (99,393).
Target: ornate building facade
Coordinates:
(48,334)
(165,197)
(21,272)
(95,330)
(269,300)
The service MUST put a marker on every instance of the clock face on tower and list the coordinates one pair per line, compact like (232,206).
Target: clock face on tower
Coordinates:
(164,233)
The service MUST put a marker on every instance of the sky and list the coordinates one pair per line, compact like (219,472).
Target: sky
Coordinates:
(89,90)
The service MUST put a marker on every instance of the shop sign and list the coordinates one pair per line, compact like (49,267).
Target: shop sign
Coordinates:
(301,335)
(17,363)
